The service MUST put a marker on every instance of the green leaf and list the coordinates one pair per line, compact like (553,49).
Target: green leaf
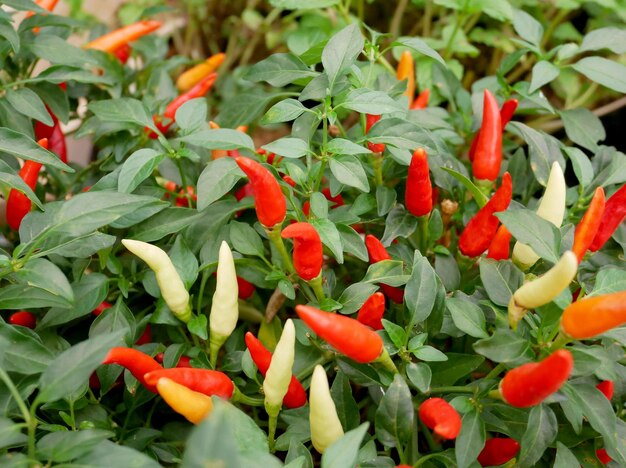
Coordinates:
(581,165)
(527,27)
(10,34)
(137,168)
(330,236)
(583,127)
(421,290)
(192,114)
(11,434)
(343,146)
(370,102)
(18,183)
(245,239)
(58,51)
(24,296)
(564,457)
(217,179)
(171,220)
(420,46)
(454,369)
(500,279)
(429,354)
(64,446)
(470,440)
(302,4)
(609,280)
(341,51)
(288,147)
(603,71)
(399,223)
(344,451)
(613,39)
(467,317)
(43,274)
(480,198)
(108,454)
(527,227)
(543,73)
(503,346)
(283,111)
(540,432)
(26,102)
(396,333)
(349,171)
(279,70)
(387,272)
(544,150)
(395,414)
(199,326)
(22,351)
(352,242)
(597,410)
(20,145)
(419,374)
(71,369)
(347,408)
(219,138)
(126,110)
(355,295)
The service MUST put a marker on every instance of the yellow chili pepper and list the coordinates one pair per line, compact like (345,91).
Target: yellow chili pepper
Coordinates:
(194,75)
(192,405)
(323,420)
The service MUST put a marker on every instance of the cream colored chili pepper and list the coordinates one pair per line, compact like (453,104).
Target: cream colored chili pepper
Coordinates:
(323,420)
(172,288)
(543,289)
(192,405)
(225,305)
(551,208)
(279,374)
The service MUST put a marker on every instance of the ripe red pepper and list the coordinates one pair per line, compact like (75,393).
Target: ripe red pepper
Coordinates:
(146,336)
(588,226)
(23,318)
(123,53)
(498,451)
(488,155)
(206,381)
(296,396)
(614,214)
(603,456)
(183,361)
(308,255)
(246,289)
(270,204)
(18,204)
(370,120)
(500,245)
(288,180)
(419,190)
(530,384)
(54,134)
(439,415)
(506,113)
(377,253)
(421,101)
(337,199)
(607,388)
(101,308)
(481,229)
(345,334)
(372,311)
(138,363)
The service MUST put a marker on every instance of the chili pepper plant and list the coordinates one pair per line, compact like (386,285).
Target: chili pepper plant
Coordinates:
(345,254)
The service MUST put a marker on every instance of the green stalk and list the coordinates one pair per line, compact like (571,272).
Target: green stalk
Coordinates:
(274,235)
(318,289)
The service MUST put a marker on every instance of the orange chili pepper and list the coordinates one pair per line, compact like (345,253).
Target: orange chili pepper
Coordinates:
(592,316)
(192,77)
(421,101)
(115,39)
(588,226)
(406,71)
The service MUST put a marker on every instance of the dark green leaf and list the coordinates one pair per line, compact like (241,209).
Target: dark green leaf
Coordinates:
(470,440)
(395,414)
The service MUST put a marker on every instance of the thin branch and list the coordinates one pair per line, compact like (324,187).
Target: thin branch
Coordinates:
(394,27)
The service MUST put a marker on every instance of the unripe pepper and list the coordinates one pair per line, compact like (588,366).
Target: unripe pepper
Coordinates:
(270,204)
(115,39)
(324,422)
(279,374)
(225,304)
(607,388)
(406,71)
(439,415)
(138,363)
(308,255)
(205,381)
(191,77)
(372,311)
(295,396)
(194,406)
(614,214)
(419,190)
(506,113)
(543,289)
(172,288)
(499,247)
(498,451)
(18,204)
(24,319)
(370,120)
(551,208)
(589,224)
(421,101)
(488,156)
(481,229)
(530,384)
(345,334)
(377,253)
(592,316)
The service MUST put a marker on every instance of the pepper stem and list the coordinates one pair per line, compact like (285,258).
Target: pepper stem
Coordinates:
(245,399)
(386,362)
(215,343)
(273,422)
(495,394)
(274,235)
(560,341)
(318,289)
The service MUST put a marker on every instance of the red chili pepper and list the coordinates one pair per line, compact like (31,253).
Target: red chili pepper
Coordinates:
(421,101)
(54,134)
(23,318)
(370,120)
(18,204)
(506,113)
(123,53)
(607,388)
(246,289)
(439,415)
(244,191)
(308,255)
(146,336)
(337,199)
(481,229)
(488,155)
(206,381)
(101,308)
(270,204)
(419,190)
(306,208)
(182,200)
(498,451)
(377,253)
(614,214)
(588,226)
(603,456)
(183,361)
(345,334)
(138,363)
(288,180)
(530,384)
(372,311)
(296,396)
(500,245)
